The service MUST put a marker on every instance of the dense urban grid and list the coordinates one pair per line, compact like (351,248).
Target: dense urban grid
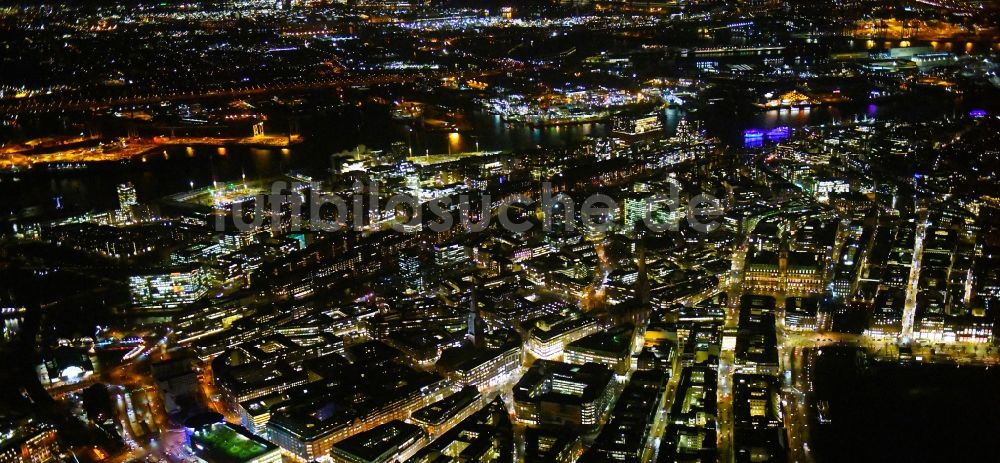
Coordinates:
(264,231)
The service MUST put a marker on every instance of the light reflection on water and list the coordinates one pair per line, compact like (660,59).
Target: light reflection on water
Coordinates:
(172,169)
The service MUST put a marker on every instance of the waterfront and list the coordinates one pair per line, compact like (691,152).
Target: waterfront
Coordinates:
(54,193)
(44,193)
(840,305)
(890,412)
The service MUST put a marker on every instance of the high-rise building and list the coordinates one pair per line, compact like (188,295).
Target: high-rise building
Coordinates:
(411,273)
(127,201)
(126,196)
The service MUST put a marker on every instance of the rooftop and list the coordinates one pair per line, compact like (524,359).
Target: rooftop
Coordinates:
(616,342)
(227,443)
(373,444)
(538,383)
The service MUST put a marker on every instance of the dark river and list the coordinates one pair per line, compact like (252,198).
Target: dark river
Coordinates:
(45,193)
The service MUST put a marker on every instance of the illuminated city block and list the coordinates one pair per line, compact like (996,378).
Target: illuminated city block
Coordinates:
(227,443)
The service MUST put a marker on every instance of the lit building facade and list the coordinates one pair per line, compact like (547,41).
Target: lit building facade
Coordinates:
(548,341)
(170,290)
(555,393)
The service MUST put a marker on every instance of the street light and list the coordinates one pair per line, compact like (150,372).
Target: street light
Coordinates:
(409,139)
(453,137)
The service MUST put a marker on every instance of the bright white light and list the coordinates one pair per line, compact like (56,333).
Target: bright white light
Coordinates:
(72,372)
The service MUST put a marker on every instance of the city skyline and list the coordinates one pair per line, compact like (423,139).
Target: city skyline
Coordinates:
(265,231)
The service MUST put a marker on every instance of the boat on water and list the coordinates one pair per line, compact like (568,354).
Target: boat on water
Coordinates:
(571,120)
(59,166)
(407,110)
(548,120)
(791,99)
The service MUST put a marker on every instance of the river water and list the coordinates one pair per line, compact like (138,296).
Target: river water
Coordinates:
(43,193)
